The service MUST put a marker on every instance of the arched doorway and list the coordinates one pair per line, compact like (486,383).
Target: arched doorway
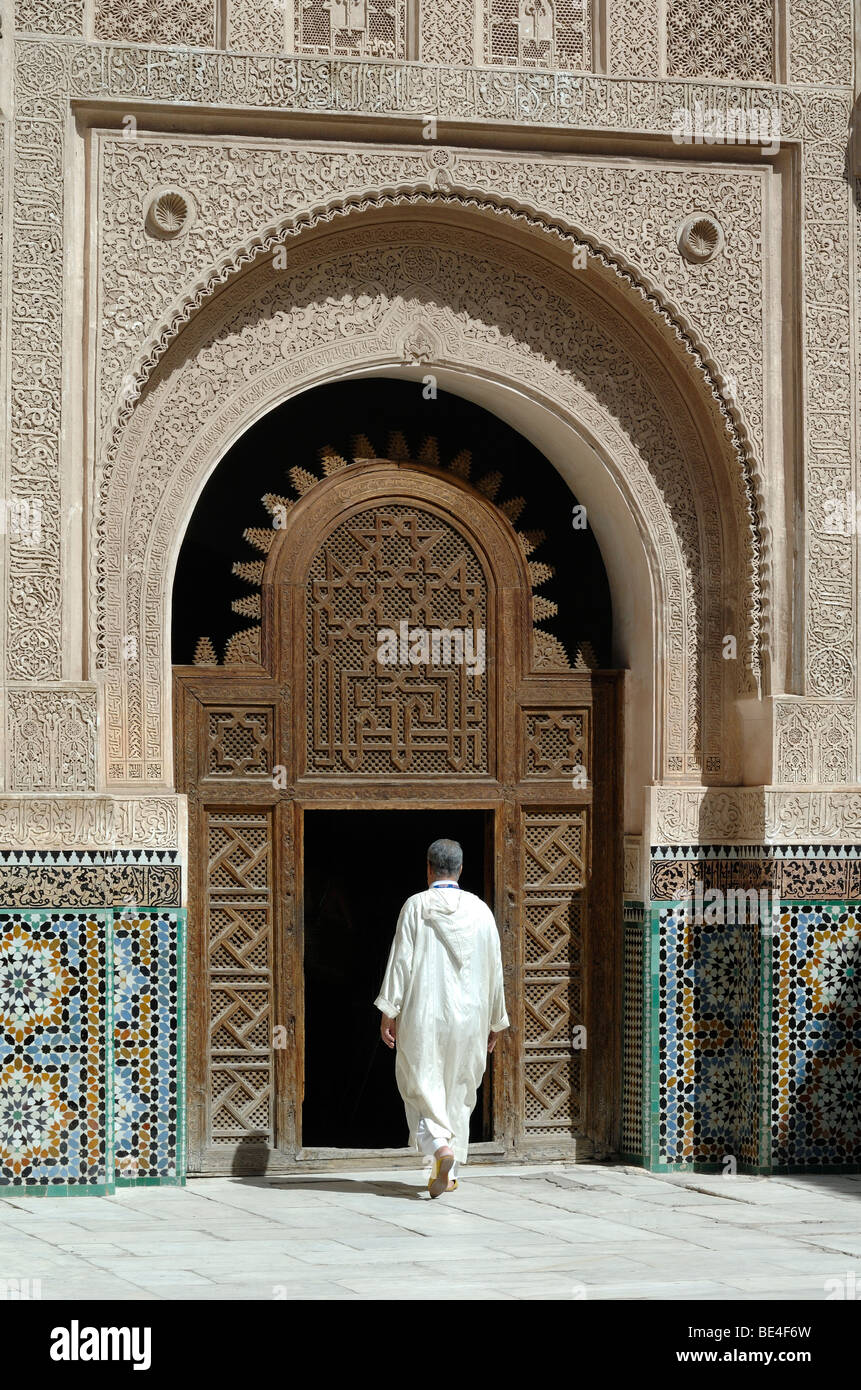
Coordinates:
(395,683)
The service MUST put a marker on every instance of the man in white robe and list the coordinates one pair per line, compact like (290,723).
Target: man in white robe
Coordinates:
(443,1003)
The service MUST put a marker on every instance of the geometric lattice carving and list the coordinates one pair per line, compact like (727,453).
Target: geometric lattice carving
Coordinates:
(734,40)
(400,569)
(187,22)
(351,28)
(554,922)
(240,743)
(243,648)
(239,935)
(555,742)
(538,34)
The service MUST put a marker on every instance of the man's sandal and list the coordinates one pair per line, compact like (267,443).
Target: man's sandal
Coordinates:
(438,1181)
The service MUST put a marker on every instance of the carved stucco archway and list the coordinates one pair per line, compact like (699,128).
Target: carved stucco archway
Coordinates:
(496,306)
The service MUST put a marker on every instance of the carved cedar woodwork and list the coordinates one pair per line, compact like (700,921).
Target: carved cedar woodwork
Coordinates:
(240,976)
(556,742)
(555,874)
(403,572)
(240,743)
(369,546)
(244,646)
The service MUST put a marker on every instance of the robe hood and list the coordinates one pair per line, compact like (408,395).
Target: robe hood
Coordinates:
(450,912)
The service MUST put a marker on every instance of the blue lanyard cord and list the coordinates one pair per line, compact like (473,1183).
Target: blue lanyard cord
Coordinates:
(444,883)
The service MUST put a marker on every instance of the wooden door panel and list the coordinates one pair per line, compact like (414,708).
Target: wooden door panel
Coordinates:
(322,725)
(555,850)
(238,925)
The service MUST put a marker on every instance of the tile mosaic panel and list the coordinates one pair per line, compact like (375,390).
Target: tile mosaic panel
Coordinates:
(148,1045)
(805,1084)
(816,1037)
(91,1009)
(707,1040)
(55,1066)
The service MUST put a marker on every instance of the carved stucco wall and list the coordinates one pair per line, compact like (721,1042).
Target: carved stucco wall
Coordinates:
(48,74)
(643,38)
(240,189)
(66,720)
(487,308)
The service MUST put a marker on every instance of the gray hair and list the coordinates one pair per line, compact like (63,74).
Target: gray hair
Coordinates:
(446,857)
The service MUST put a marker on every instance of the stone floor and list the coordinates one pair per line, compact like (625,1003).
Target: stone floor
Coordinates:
(593,1232)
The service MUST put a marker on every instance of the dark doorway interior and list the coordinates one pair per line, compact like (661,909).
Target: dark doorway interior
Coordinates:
(360,867)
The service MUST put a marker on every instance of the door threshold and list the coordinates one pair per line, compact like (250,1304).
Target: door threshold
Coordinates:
(402,1157)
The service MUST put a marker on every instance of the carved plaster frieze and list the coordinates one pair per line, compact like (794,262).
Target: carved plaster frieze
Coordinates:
(52,738)
(319,85)
(815,741)
(633,867)
(753,815)
(50,73)
(482,304)
(92,822)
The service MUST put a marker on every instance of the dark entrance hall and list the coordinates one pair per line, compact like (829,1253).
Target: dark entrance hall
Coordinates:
(360,867)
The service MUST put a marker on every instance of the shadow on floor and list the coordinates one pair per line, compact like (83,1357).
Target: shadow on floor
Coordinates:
(378,1188)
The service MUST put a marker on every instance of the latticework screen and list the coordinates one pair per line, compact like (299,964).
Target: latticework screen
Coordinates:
(735,39)
(553,34)
(374,705)
(351,28)
(555,859)
(240,976)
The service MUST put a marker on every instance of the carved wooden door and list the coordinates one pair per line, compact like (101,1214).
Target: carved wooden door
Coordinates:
(396,663)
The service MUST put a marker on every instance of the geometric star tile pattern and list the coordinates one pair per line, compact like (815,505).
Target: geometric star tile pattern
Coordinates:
(55,1062)
(91,1048)
(755,1031)
(816,1037)
(148,1036)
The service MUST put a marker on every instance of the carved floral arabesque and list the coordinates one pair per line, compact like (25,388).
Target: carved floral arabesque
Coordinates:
(635,208)
(242,188)
(50,16)
(49,72)
(815,741)
(265,335)
(820,41)
(446,33)
(35,315)
(52,739)
(831,348)
(634,38)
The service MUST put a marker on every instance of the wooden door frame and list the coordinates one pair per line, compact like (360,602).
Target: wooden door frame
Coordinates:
(273,686)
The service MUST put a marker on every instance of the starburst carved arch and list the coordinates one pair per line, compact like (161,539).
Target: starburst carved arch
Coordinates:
(681,335)
(244,646)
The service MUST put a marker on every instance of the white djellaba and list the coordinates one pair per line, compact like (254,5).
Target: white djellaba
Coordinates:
(443,984)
